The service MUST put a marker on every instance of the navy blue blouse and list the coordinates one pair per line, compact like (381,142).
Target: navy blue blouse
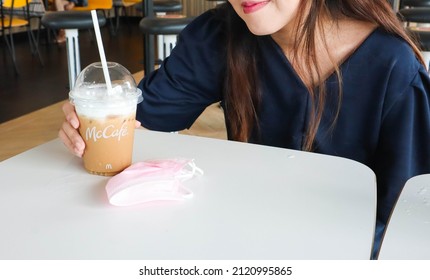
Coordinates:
(384,119)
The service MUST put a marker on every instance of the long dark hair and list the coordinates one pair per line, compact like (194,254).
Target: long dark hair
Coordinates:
(242,96)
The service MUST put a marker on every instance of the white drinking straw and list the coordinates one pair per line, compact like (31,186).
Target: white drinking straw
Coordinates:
(101,51)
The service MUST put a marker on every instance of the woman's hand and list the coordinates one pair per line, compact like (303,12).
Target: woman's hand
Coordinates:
(69,133)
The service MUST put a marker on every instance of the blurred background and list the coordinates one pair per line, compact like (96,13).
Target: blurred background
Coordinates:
(38,86)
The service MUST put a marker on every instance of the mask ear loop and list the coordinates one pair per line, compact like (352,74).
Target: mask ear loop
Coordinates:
(185,173)
(184,191)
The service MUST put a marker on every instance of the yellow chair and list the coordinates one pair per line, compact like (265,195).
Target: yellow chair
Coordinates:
(15,14)
(103,5)
(96,5)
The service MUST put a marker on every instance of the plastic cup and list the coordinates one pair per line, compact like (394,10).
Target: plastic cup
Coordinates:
(107,119)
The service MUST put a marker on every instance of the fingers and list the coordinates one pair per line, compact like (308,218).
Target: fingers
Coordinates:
(137,124)
(69,134)
(70,113)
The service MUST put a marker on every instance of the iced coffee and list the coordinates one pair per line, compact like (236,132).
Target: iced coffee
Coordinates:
(107,119)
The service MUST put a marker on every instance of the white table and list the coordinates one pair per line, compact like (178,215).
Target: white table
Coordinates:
(407,236)
(254,202)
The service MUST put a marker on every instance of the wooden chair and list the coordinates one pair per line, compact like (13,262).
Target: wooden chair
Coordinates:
(11,20)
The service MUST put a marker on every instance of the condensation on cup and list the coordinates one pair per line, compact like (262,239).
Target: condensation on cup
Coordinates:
(107,119)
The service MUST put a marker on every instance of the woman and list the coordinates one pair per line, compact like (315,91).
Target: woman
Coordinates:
(338,77)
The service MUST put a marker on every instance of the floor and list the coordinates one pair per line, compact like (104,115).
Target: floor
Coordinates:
(38,86)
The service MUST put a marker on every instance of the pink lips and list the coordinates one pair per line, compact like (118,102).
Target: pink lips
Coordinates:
(253,6)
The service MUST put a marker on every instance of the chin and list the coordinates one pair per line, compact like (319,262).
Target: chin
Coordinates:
(261,28)
(260,31)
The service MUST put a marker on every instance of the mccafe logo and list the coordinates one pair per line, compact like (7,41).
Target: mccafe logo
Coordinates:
(108,132)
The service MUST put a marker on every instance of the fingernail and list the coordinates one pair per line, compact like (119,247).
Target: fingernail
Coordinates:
(78,152)
(74,123)
(79,146)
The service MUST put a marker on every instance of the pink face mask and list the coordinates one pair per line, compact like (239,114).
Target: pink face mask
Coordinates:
(152,180)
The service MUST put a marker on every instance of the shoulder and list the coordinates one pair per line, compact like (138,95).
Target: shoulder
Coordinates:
(394,58)
(395,53)
(405,77)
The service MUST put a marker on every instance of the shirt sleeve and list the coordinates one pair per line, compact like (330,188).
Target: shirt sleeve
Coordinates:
(404,143)
(188,81)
